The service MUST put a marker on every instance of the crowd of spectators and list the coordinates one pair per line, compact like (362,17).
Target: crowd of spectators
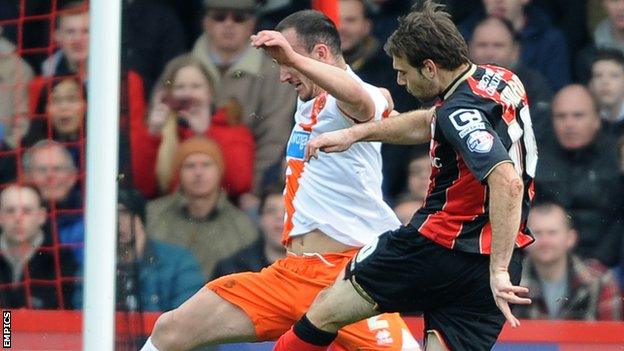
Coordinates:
(204,120)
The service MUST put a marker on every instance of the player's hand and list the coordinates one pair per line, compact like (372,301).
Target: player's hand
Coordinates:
(275,45)
(336,141)
(505,293)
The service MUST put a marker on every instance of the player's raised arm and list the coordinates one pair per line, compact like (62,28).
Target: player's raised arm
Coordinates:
(506,190)
(412,127)
(352,98)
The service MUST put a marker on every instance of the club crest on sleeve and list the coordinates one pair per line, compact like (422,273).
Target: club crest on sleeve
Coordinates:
(480,141)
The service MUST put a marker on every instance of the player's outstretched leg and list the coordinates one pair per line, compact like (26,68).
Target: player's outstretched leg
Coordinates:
(204,319)
(334,308)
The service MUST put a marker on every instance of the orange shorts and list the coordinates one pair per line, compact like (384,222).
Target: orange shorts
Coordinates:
(280,294)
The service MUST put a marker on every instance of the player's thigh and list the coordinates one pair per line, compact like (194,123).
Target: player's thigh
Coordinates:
(207,318)
(339,305)
(467,317)
(387,332)
(434,342)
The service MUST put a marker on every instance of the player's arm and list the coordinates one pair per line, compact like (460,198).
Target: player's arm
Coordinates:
(506,190)
(412,127)
(352,98)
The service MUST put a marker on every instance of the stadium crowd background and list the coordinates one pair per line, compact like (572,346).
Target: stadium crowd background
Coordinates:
(204,122)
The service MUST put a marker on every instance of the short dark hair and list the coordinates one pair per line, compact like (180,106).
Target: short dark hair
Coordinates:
(133,201)
(515,36)
(607,54)
(72,8)
(427,32)
(270,190)
(23,185)
(313,28)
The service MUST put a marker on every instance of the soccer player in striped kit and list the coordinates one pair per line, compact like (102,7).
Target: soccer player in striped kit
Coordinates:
(459,260)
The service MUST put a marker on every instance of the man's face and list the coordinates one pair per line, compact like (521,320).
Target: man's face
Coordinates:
(413,79)
(53,172)
(72,36)
(418,178)
(575,120)
(553,238)
(272,219)
(129,225)
(615,12)
(354,26)
(305,88)
(200,175)
(492,43)
(607,83)
(66,107)
(21,214)
(510,9)
(229,30)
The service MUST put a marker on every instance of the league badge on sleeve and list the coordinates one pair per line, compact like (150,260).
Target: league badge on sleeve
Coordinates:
(480,141)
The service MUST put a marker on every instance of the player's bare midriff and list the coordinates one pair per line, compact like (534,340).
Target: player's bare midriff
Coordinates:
(316,242)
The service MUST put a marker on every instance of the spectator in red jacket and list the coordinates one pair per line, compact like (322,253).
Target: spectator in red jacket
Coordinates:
(181,108)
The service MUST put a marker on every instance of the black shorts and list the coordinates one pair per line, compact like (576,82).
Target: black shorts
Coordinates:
(404,271)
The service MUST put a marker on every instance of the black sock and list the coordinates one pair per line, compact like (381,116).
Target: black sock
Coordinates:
(307,332)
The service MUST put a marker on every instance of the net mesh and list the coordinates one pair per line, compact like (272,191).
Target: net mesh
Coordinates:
(43,104)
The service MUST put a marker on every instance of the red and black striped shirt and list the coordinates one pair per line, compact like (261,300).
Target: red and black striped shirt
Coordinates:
(481,121)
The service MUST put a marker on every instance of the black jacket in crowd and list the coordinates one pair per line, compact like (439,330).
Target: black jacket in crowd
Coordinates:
(587,183)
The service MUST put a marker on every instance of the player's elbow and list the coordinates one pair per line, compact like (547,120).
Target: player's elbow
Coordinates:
(363,107)
(506,180)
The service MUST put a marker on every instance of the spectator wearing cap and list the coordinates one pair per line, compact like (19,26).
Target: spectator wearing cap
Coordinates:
(34,273)
(199,216)
(247,75)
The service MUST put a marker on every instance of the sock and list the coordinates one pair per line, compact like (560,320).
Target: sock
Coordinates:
(304,336)
(149,346)
(289,341)
(308,332)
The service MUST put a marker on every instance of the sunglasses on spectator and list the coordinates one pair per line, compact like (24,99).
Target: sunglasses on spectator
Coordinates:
(222,15)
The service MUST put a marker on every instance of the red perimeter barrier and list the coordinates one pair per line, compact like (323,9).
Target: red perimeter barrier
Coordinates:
(61,330)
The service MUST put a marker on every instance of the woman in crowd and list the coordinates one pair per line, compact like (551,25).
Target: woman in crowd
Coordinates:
(181,107)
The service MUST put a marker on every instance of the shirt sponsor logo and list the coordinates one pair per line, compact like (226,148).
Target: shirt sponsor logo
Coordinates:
(480,141)
(296,144)
(467,121)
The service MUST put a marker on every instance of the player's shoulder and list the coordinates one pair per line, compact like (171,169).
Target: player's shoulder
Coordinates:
(497,84)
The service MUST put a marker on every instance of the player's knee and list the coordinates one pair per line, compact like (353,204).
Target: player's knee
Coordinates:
(165,335)
(435,342)
(323,314)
